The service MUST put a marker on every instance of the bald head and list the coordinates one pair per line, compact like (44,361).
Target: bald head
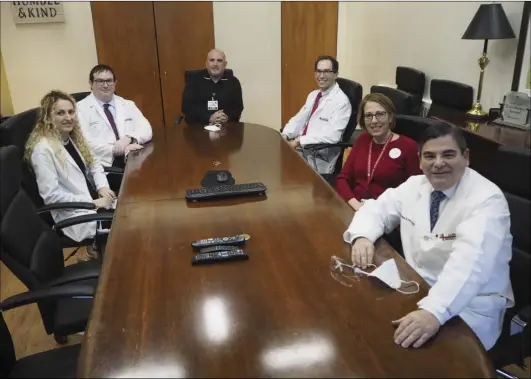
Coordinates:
(216,64)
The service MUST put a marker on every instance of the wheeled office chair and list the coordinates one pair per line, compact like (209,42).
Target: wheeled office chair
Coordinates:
(411,81)
(354,92)
(450,99)
(33,251)
(15,131)
(57,363)
(78,96)
(510,171)
(403,101)
(192,74)
(412,126)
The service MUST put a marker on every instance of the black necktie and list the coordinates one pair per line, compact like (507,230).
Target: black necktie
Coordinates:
(111,120)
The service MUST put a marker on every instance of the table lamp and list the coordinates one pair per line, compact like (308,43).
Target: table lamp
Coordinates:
(489,22)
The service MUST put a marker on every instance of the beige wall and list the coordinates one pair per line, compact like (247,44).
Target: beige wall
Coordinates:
(373,38)
(376,37)
(6,105)
(249,33)
(41,57)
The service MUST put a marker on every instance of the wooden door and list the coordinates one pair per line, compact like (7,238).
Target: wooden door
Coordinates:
(185,34)
(126,41)
(309,29)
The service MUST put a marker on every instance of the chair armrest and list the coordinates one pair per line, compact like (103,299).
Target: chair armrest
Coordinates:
(72,290)
(525,314)
(321,146)
(72,276)
(113,170)
(83,219)
(66,205)
(178,120)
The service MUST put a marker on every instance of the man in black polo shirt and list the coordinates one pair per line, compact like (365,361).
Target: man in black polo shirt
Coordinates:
(213,96)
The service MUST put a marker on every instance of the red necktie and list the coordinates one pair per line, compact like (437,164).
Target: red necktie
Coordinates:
(111,120)
(315,105)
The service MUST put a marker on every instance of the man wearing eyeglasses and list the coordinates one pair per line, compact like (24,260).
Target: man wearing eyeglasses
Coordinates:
(112,125)
(322,119)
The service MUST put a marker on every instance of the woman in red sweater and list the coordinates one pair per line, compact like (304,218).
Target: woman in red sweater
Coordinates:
(379,158)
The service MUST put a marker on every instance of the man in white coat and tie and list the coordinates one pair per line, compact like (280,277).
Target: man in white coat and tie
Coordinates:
(113,125)
(322,119)
(455,231)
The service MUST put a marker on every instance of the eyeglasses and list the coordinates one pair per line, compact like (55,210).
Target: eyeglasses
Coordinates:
(324,72)
(342,272)
(101,82)
(380,116)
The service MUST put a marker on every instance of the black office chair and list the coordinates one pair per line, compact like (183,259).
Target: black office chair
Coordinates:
(56,363)
(33,251)
(193,74)
(450,99)
(510,171)
(78,96)
(412,126)
(403,101)
(411,81)
(15,131)
(354,92)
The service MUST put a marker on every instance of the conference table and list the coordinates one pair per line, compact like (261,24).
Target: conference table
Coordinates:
(278,314)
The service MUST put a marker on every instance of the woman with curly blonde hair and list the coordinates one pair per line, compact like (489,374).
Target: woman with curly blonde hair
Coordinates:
(64,166)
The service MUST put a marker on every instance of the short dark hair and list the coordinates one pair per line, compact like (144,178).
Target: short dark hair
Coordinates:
(101,68)
(441,129)
(335,63)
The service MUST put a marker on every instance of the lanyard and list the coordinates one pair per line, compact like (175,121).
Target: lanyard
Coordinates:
(370,174)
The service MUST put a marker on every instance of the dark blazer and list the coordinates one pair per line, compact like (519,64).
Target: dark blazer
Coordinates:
(200,89)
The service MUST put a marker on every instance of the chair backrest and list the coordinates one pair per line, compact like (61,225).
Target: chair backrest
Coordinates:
(412,126)
(188,74)
(402,100)
(412,81)
(510,171)
(78,96)
(450,99)
(7,350)
(354,92)
(29,247)
(16,129)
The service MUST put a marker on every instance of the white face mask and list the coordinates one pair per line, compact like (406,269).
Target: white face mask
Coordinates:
(387,272)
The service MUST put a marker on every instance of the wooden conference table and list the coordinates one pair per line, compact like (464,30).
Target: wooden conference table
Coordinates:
(278,314)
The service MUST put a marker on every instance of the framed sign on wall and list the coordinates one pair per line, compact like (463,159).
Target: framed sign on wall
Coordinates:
(36,12)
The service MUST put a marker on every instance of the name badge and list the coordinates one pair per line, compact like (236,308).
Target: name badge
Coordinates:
(212,105)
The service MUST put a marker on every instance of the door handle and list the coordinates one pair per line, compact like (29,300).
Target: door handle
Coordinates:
(164,74)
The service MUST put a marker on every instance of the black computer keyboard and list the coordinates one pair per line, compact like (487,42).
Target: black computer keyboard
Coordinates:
(225,191)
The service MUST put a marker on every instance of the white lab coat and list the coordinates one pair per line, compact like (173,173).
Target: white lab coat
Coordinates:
(60,180)
(469,275)
(97,129)
(327,125)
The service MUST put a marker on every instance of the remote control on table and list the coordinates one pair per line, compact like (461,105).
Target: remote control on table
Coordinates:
(219,256)
(213,249)
(237,240)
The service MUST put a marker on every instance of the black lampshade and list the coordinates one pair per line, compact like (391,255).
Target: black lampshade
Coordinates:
(490,22)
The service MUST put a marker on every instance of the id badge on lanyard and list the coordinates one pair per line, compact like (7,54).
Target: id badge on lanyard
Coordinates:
(212,105)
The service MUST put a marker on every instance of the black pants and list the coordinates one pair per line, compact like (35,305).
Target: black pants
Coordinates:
(115,180)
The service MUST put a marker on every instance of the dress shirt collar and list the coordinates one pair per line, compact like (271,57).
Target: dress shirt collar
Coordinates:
(327,92)
(101,103)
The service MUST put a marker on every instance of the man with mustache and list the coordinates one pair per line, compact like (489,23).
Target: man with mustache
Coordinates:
(214,96)
(455,231)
